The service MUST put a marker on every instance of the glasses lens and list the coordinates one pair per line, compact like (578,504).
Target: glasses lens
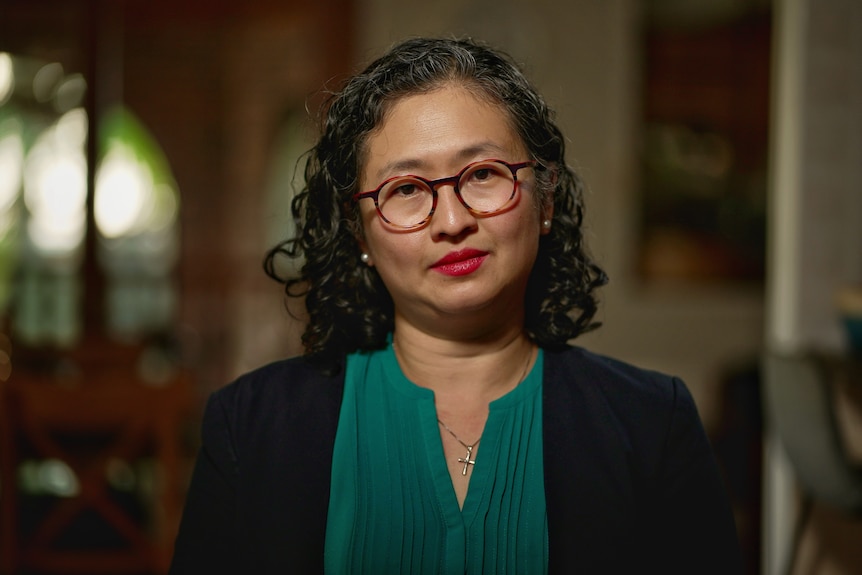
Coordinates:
(487,186)
(405,201)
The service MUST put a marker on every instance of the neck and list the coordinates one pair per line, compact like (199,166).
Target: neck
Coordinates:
(478,369)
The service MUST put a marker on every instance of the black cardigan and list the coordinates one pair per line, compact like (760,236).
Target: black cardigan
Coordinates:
(631,482)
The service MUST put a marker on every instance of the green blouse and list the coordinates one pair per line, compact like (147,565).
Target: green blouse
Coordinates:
(392,506)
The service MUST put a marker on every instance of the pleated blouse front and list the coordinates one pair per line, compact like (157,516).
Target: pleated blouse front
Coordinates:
(392,506)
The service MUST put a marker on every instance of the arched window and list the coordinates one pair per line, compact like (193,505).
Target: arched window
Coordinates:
(136,207)
(44,212)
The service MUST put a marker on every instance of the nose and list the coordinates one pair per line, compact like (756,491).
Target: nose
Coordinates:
(451,217)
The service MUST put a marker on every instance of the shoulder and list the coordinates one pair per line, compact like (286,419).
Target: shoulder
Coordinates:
(275,394)
(623,399)
(294,380)
(625,448)
(577,369)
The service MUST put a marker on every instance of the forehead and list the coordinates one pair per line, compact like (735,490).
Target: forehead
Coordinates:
(441,128)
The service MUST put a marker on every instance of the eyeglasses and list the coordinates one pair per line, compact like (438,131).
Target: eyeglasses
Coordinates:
(485,188)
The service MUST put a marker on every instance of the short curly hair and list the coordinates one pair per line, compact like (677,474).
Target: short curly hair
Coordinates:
(348,306)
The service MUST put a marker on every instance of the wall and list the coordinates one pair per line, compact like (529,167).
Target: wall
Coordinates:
(214,86)
(816,240)
(817,192)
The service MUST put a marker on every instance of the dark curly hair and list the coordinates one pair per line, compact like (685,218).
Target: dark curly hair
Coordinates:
(348,306)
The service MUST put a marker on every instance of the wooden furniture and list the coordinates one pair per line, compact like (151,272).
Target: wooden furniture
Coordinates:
(93,429)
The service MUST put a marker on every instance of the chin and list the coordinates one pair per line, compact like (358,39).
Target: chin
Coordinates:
(463,304)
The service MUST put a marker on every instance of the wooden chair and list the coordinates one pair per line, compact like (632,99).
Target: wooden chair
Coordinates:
(90,427)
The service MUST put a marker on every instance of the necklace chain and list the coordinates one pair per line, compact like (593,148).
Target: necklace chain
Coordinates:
(458,439)
(468,460)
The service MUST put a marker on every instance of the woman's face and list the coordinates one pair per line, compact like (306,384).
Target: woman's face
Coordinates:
(458,266)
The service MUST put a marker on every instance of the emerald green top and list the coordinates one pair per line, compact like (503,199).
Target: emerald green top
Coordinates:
(392,506)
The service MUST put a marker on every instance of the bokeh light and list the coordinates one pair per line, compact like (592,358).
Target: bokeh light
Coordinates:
(55,185)
(7,76)
(11,160)
(46,81)
(124,193)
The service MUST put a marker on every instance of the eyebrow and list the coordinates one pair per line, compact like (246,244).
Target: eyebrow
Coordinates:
(396,167)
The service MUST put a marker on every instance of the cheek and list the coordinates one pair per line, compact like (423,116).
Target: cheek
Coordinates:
(365,228)
(390,249)
(528,236)
(528,224)
(367,213)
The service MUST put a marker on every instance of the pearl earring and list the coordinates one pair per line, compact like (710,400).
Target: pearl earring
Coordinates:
(546,224)
(364,257)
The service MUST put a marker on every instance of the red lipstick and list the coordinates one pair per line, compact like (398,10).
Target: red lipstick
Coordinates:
(460,263)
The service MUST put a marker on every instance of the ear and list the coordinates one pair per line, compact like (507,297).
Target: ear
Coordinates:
(547,214)
(546,210)
(364,253)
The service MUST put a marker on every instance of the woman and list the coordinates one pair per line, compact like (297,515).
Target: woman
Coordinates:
(439,422)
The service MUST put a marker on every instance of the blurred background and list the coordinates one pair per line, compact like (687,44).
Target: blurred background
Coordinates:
(148,155)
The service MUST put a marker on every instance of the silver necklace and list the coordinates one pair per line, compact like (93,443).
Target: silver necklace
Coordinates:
(468,460)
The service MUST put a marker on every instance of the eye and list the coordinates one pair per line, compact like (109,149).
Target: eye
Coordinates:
(403,189)
(484,174)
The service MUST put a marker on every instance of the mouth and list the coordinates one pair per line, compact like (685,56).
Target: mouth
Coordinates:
(460,263)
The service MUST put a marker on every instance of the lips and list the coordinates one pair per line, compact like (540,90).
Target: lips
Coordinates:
(460,263)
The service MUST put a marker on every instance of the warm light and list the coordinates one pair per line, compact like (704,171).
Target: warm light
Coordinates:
(124,192)
(135,207)
(7,76)
(11,160)
(71,129)
(57,203)
(55,186)
(135,192)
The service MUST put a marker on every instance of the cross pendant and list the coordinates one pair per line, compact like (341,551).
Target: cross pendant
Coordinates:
(466,459)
